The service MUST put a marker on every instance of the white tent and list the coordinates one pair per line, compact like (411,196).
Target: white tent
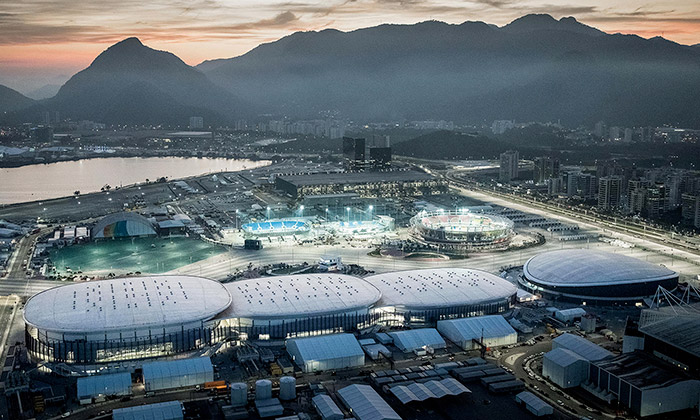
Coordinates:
(495,330)
(325,352)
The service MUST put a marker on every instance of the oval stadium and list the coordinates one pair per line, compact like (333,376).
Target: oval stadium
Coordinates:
(276,228)
(587,276)
(425,296)
(283,306)
(471,231)
(125,318)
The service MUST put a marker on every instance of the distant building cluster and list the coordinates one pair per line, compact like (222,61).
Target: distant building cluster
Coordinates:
(644,134)
(649,193)
(330,128)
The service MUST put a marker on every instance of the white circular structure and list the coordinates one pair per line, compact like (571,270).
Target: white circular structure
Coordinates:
(433,294)
(105,320)
(587,275)
(286,305)
(463,229)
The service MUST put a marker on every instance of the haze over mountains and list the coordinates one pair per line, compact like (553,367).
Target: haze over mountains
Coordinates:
(533,69)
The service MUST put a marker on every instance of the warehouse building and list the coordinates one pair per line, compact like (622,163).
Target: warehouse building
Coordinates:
(326,352)
(583,275)
(177,373)
(327,408)
(534,404)
(644,384)
(171,410)
(103,386)
(423,297)
(569,316)
(565,368)
(467,332)
(365,404)
(365,184)
(424,338)
(582,347)
(434,389)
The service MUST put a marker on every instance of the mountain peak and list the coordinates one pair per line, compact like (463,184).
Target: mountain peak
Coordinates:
(130,54)
(545,22)
(129,42)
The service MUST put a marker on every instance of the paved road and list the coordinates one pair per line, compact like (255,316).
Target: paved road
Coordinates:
(218,267)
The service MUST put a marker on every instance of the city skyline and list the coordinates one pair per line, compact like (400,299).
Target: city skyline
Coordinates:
(46,43)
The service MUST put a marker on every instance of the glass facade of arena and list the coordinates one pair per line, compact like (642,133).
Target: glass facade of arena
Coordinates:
(417,317)
(613,291)
(128,347)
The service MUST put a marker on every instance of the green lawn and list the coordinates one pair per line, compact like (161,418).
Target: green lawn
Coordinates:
(147,255)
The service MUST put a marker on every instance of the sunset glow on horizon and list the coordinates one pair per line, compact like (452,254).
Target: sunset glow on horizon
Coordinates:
(44,42)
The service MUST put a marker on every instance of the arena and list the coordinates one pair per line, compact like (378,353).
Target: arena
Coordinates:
(583,275)
(275,228)
(287,306)
(140,317)
(125,318)
(423,297)
(460,230)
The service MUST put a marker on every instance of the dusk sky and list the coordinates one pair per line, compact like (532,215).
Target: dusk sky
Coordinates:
(46,41)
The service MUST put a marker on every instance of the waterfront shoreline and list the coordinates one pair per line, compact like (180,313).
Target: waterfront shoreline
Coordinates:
(154,181)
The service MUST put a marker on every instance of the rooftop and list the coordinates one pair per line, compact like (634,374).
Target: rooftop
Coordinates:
(159,411)
(681,331)
(366,404)
(563,357)
(356,177)
(430,389)
(126,303)
(440,287)
(300,295)
(325,347)
(582,267)
(410,340)
(581,346)
(642,371)
(488,326)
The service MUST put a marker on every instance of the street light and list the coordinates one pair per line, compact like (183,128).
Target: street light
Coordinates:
(302,210)
(347,209)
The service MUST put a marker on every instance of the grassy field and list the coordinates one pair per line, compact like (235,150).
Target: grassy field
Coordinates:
(146,255)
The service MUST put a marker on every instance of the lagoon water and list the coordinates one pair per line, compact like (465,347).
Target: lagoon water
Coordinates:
(60,179)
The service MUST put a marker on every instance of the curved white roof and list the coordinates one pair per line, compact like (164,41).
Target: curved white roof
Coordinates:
(582,267)
(298,296)
(128,303)
(442,287)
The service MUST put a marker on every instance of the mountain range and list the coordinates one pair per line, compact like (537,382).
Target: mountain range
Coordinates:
(536,68)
